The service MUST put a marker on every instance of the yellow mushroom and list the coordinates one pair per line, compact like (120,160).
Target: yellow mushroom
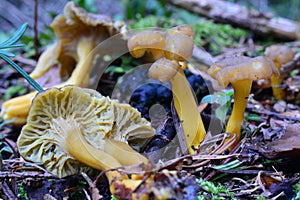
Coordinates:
(74,129)
(240,71)
(178,47)
(78,33)
(184,101)
(280,55)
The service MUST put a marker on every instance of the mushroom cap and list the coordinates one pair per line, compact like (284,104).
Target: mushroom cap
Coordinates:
(232,69)
(43,138)
(279,53)
(183,29)
(77,24)
(179,47)
(179,43)
(139,43)
(163,69)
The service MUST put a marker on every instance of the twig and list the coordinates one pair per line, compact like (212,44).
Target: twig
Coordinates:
(93,189)
(245,172)
(35,29)
(7,191)
(24,60)
(23,175)
(263,111)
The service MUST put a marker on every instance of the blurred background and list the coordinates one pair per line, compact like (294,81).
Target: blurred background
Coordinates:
(14,13)
(138,14)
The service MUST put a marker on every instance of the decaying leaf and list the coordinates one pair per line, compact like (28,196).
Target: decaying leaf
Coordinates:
(286,145)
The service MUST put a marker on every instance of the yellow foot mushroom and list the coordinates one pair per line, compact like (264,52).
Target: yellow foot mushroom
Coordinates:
(78,33)
(177,46)
(240,71)
(184,101)
(72,129)
(280,55)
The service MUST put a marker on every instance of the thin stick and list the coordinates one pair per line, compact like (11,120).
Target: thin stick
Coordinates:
(35,28)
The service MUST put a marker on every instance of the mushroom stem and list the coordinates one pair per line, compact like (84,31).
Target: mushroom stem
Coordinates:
(84,152)
(278,93)
(46,61)
(80,75)
(186,108)
(241,92)
(123,152)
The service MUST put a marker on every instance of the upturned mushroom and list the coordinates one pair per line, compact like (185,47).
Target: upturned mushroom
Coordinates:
(74,129)
(280,55)
(70,126)
(240,71)
(178,47)
(78,33)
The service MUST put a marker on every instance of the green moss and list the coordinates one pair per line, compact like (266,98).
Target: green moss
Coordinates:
(214,191)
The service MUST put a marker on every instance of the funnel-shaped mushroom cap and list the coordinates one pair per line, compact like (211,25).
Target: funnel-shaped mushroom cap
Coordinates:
(53,112)
(242,68)
(279,54)
(75,28)
(75,25)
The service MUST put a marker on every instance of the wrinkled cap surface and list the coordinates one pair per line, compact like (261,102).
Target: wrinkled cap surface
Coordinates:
(231,69)
(42,139)
(279,53)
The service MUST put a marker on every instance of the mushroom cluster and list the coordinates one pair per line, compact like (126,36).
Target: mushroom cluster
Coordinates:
(170,49)
(240,71)
(71,128)
(78,33)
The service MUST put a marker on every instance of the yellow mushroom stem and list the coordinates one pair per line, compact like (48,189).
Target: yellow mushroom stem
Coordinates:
(187,111)
(278,93)
(80,75)
(84,152)
(123,152)
(17,108)
(241,93)
(47,59)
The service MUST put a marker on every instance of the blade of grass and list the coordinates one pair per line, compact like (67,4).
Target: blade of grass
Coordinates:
(13,46)
(17,35)
(228,166)
(32,82)
(7,53)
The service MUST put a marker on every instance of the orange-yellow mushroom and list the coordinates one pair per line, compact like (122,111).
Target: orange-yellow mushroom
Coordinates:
(74,129)
(178,47)
(184,101)
(240,71)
